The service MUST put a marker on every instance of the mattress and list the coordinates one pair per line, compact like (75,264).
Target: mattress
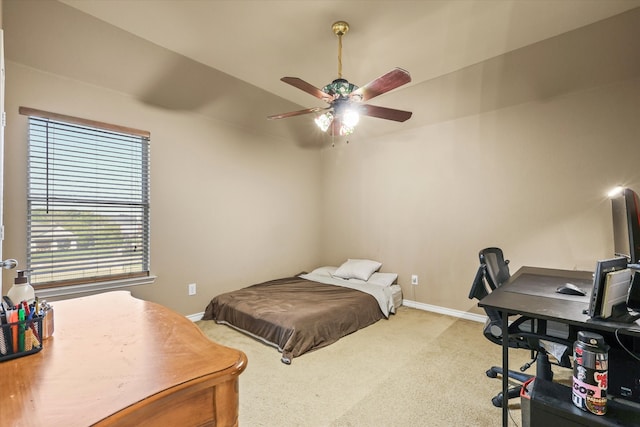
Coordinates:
(396,296)
(296,315)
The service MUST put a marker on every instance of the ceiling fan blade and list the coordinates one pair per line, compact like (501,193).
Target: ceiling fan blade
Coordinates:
(297,113)
(393,79)
(385,113)
(307,87)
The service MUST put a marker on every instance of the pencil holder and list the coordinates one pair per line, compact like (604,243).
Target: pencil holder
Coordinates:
(21,338)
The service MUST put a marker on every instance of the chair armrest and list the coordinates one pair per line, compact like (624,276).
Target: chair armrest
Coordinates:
(478,289)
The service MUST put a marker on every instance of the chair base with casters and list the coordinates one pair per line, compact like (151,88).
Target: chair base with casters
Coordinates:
(543,371)
(523,333)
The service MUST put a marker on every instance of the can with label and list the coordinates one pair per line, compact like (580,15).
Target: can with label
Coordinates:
(47,320)
(590,372)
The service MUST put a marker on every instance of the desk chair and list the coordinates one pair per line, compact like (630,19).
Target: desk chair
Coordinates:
(523,332)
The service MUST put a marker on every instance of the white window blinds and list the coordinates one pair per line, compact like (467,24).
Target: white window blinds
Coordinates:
(88,201)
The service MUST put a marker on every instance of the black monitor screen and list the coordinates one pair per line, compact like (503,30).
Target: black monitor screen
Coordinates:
(626,225)
(633,297)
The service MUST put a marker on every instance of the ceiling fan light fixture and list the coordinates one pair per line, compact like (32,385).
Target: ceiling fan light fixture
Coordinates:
(350,118)
(346,130)
(324,121)
(342,122)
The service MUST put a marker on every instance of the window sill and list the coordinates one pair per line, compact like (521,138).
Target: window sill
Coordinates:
(93,287)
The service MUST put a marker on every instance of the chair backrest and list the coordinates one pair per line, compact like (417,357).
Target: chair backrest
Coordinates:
(492,273)
(497,268)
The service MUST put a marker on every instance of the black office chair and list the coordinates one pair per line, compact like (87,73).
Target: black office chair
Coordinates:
(524,332)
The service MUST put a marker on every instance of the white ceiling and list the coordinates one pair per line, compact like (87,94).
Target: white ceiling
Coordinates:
(260,41)
(209,57)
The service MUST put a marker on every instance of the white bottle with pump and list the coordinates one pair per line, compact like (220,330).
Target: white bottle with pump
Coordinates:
(22,289)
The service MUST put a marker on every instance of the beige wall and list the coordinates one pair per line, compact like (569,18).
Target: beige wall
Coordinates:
(228,206)
(531,179)
(236,200)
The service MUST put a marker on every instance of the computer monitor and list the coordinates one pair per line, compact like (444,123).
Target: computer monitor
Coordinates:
(625,209)
(633,297)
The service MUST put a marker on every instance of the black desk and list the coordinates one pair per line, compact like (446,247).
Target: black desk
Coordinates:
(531,292)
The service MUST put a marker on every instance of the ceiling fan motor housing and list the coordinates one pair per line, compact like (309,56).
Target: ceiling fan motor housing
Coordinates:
(340,87)
(342,105)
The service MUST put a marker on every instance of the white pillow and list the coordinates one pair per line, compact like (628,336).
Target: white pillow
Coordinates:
(357,269)
(383,279)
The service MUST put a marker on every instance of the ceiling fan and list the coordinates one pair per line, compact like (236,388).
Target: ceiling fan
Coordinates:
(345,99)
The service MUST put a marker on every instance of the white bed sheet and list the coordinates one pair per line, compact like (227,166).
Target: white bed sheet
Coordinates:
(396,295)
(382,294)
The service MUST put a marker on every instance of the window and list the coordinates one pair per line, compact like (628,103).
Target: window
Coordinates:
(87,201)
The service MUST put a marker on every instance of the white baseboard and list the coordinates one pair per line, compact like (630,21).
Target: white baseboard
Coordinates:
(413,304)
(444,310)
(195,317)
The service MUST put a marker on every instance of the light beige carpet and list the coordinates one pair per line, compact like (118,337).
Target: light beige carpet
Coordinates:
(415,369)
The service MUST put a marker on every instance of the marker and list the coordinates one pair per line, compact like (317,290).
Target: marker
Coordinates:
(3,342)
(21,329)
(14,330)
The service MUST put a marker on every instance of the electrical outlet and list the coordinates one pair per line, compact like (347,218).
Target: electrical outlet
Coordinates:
(192,288)
(414,279)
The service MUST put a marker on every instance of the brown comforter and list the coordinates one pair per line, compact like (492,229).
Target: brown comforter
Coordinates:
(295,314)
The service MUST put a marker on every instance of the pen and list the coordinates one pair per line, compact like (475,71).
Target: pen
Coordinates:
(25,306)
(7,302)
(29,317)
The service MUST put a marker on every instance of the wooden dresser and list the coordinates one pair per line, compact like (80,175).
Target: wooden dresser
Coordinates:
(115,360)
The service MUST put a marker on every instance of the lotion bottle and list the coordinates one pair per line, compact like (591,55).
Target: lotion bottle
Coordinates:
(21,289)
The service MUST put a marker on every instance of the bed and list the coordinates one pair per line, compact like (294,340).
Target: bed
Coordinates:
(309,311)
